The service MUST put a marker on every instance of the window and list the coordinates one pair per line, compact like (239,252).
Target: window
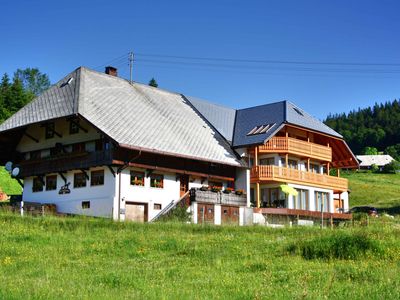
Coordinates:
(157,206)
(55,151)
(215,183)
(322,201)
(292,164)
(157,181)
(267,161)
(97,178)
(301,200)
(51,182)
(85,204)
(79,180)
(314,168)
(99,145)
(277,198)
(49,132)
(37,185)
(78,147)
(35,155)
(137,178)
(74,127)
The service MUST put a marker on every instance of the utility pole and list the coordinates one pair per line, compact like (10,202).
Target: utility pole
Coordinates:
(130,66)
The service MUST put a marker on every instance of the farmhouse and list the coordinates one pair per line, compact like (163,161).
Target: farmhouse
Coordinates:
(98,145)
(367,161)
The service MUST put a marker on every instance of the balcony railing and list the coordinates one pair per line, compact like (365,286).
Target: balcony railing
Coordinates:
(274,173)
(302,213)
(217,198)
(65,161)
(297,147)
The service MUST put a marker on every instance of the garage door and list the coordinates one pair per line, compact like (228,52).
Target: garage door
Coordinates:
(136,212)
(205,213)
(229,214)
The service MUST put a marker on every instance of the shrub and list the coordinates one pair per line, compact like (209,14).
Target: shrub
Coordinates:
(374,168)
(337,246)
(392,167)
(178,214)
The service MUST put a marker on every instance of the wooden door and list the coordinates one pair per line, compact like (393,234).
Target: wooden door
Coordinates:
(229,214)
(184,184)
(205,213)
(136,212)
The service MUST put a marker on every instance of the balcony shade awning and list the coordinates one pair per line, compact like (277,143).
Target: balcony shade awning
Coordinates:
(288,190)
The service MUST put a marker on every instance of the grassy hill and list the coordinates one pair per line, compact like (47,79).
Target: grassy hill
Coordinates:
(379,190)
(83,258)
(7,184)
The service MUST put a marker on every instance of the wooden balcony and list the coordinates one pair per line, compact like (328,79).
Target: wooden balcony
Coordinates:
(217,198)
(296,147)
(65,162)
(279,174)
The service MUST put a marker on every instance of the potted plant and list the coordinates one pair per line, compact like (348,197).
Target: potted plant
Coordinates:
(239,192)
(216,189)
(204,188)
(228,190)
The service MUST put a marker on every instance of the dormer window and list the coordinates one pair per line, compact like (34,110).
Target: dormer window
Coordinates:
(49,130)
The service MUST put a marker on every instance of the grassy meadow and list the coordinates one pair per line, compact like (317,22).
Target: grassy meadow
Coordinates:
(376,189)
(87,258)
(7,184)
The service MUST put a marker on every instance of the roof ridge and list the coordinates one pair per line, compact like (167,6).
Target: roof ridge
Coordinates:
(261,105)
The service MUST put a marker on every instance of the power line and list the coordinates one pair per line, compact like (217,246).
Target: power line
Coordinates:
(288,68)
(268,61)
(112,61)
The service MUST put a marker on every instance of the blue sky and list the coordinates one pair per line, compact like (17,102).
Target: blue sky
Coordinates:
(59,36)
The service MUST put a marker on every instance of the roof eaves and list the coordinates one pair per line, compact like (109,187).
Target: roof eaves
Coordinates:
(239,164)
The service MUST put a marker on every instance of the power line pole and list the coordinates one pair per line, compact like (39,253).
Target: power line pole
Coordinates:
(130,66)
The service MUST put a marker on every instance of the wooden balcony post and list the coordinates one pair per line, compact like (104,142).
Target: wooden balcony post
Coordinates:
(327,168)
(256,155)
(308,164)
(287,160)
(258,195)
(338,172)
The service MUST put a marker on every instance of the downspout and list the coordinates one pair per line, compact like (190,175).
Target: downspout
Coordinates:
(119,196)
(119,171)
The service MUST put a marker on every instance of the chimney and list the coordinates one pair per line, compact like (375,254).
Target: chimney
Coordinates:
(111,71)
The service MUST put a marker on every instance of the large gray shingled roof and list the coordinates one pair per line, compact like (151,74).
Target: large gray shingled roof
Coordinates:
(152,119)
(134,115)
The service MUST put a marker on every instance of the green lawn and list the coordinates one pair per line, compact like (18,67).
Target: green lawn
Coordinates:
(7,184)
(83,258)
(379,190)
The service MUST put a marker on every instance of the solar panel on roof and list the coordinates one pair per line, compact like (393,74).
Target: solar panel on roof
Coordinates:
(260,129)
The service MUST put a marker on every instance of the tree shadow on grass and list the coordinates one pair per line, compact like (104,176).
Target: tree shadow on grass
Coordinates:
(393,210)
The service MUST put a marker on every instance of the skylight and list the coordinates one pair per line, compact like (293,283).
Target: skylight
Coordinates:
(298,111)
(260,129)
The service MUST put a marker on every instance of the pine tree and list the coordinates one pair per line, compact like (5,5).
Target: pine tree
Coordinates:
(153,83)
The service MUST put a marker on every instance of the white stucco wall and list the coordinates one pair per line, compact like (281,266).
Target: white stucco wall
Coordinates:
(147,194)
(100,197)
(243,182)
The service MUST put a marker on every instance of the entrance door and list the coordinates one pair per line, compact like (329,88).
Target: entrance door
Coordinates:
(229,214)
(136,212)
(205,213)
(184,180)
